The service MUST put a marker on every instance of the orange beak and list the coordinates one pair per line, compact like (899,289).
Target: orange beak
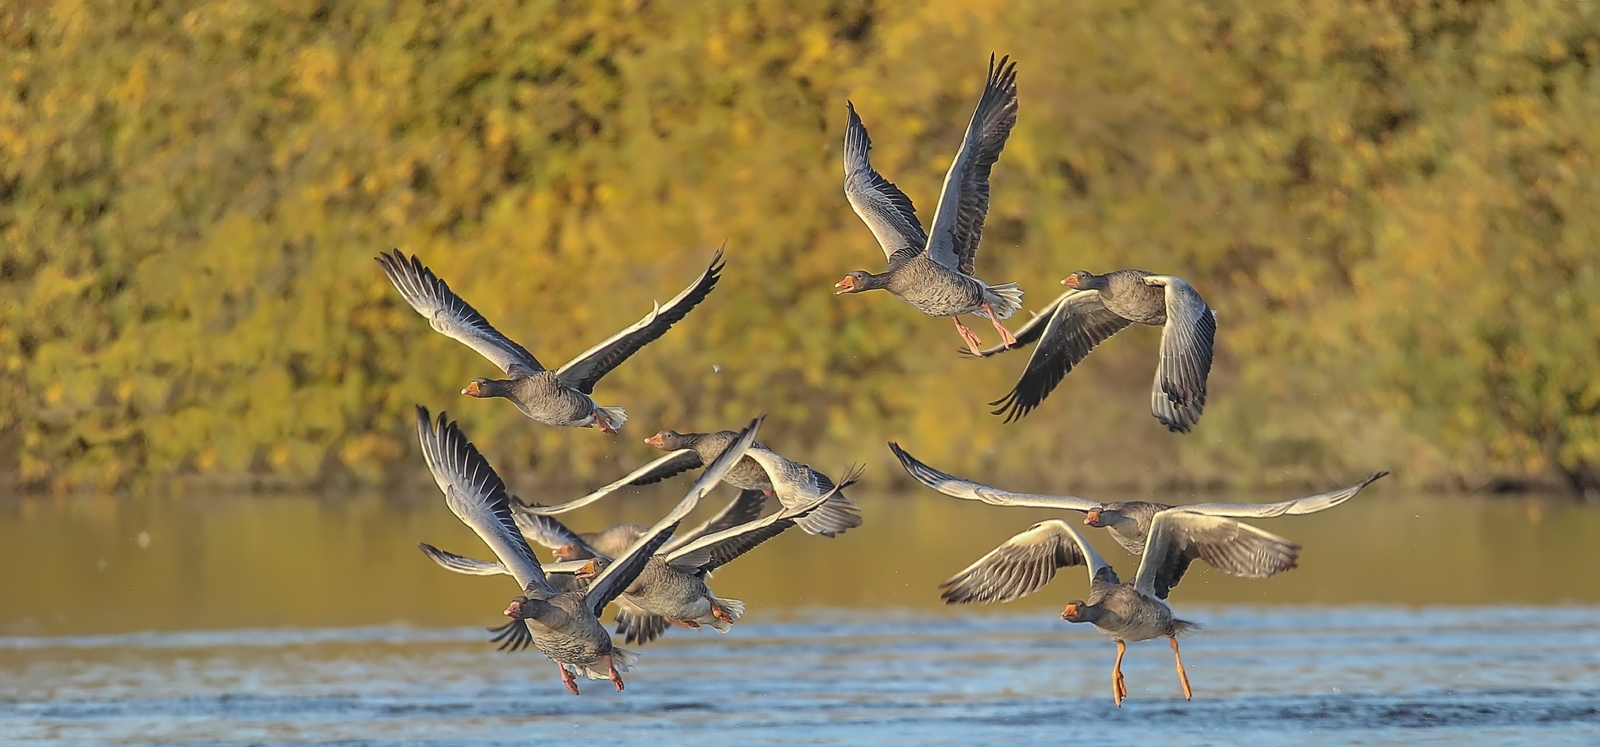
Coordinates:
(845,286)
(654,441)
(514,610)
(1071,281)
(1092,518)
(472,390)
(1070,612)
(587,571)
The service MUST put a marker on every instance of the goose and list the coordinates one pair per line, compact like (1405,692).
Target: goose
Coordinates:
(637,625)
(1127,613)
(563,625)
(561,397)
(933,272)
(762,471)
(1128,521)
(672,587)
(1099,306)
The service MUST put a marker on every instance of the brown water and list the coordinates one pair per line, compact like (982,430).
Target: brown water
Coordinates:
(295,620)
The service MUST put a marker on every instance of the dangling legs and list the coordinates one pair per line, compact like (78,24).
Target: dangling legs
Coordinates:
(616,679)
(973,343)
(1182,675)
(1005,334)
(1119,689)
(717,611)
(567,679)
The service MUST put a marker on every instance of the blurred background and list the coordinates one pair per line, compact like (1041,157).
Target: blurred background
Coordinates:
(206,381)
(1385,202)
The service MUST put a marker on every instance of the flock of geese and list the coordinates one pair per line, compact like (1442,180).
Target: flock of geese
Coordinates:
(657,577)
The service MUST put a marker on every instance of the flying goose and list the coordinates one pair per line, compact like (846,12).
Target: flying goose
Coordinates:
(1100,306)
(1128,521)
(1125,612)
(762,470)
(933,272)
(563,625)
(560,397)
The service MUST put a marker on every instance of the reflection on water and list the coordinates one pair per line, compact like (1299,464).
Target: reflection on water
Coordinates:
(292,620)
(222,562)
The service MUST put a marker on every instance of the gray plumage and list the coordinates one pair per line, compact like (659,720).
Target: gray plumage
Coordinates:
(1130,521)
(933,272)
(560,397)
(793,483)
(1101,306)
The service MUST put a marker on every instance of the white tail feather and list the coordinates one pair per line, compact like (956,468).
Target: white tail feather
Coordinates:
(1005,299)
(621,658)
(733,607)
(614,417)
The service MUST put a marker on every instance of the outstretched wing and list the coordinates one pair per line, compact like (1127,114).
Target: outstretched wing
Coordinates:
(1022,565)
(743,509)
(551,533)
(673,463)
(714,550)
(452,317)
(618,575)
(964,201)
(583,372)
(1080,322)
(461,563)
(1294,507)
(1179,537)
(478,497)
(1179,394)
(974,491)
(879,203)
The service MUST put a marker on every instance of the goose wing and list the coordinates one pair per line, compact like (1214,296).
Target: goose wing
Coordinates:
(1179,394)
(461,563)
(478,497)
(716,549)
(618,575)
(548,532)
(1022,565)
(1080,322)
(1178,537)
(673,463)
(879,203)
(964,201)
(583,372)
(743,509)
(453,317)
(1293,507)
(974,491)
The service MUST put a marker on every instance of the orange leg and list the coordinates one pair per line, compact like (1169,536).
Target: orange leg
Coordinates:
(600,423)
(567,679)
(1182,675)
(718,612)
(1005,334)
(616,679)
(973,343)
(685,623)
(1119,689)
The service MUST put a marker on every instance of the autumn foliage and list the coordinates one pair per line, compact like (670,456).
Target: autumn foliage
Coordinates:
(1391,205)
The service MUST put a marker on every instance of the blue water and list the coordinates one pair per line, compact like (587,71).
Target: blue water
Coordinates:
(1261,675)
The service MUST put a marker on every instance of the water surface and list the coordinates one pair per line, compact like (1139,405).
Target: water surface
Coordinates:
(294,620)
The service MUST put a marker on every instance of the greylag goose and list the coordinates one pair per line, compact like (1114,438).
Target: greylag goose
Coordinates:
(672,588)
(1100,306)
(762,471)
(1128,521)
(933,273)
(563,625)
(561,397)
(1125,612)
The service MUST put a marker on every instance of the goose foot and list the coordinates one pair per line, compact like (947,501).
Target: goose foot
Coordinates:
(567,679)
(1183,676)
(1006,337)
(616,679)
(973,343)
